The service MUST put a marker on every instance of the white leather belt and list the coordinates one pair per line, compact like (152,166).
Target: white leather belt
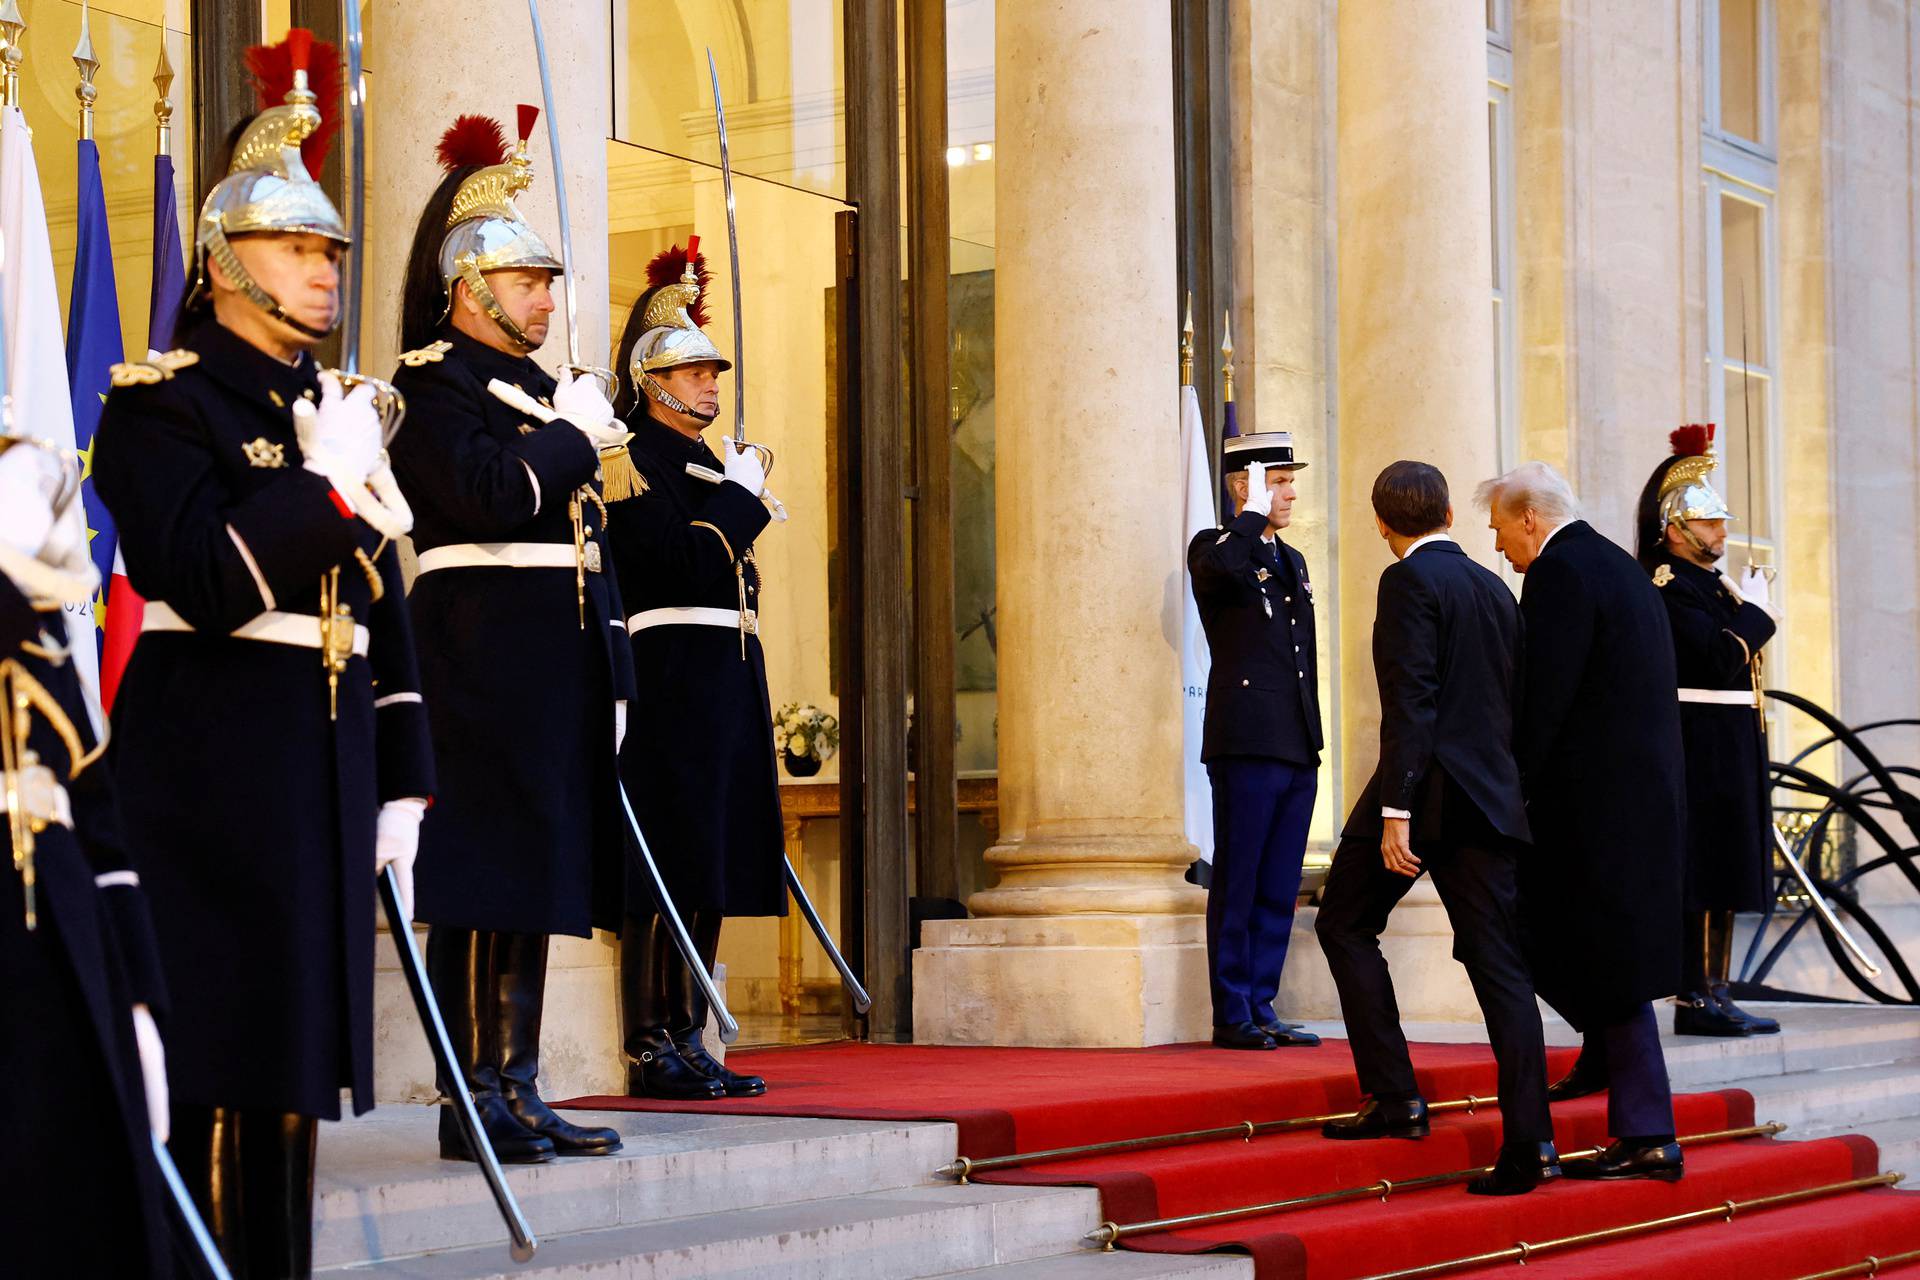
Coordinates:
(508,555)
(274,627)
(1721,697)
(693,617)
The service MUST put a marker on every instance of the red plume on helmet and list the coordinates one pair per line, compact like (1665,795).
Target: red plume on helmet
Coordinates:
(472,141)
(1691,440)
(670,264)
(272,67)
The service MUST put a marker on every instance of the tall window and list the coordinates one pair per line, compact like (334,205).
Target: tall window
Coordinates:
(1500,178)
(1741,180)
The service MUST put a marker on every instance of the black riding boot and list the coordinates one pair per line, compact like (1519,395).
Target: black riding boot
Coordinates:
(688,1005)
(460,970)
(520,989)
(1696,1012)
(1719,965)
(655,1068)
(251,1176)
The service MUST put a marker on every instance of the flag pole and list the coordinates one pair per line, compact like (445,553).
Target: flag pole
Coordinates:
(12,27)
(89,66)
(1226,352)
(1186,345)
(163,104)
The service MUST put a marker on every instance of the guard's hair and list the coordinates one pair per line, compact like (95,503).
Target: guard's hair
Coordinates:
(1530,485)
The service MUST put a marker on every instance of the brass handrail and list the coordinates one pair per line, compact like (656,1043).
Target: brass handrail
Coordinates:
(1867,1266)
(963,1168)
(1107,1233)
(1725,1211)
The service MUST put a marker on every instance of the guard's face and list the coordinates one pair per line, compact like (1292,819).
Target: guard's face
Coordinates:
(526,295)
(1712,535)
(695,385)
(1517,535)
(301,271)
(1279,482)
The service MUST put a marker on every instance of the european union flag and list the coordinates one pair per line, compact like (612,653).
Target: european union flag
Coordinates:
(93,348)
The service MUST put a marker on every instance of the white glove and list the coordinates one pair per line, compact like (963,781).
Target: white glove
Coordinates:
(1733,588)
(26,498)
(339,439)
(1755,587)
(153,1070)
(382,505)
(580,401)
(619,724)
(1259,497)
(742,466)
(396,842)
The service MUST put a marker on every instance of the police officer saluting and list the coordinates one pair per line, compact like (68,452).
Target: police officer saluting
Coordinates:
(270,749)
(704,786)
(1719,631)
(523,648)
(1262,740)
(79,1045)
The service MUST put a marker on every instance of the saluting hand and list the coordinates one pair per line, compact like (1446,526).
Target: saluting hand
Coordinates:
(1396,847)
(1259,497)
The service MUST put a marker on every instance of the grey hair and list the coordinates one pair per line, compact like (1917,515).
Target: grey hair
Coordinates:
(1530,485)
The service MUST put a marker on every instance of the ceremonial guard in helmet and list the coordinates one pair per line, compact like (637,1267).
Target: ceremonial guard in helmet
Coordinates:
(270,748)
(702,777)
(1720,628)
(522,638)
(78,1040)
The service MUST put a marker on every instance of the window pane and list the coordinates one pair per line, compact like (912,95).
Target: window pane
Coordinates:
(1740,68)
(1746,492)
(780,74)
(1493,186)
(1743,279)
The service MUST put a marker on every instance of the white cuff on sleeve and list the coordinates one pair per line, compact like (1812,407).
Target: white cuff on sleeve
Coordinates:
(533,480)
(253,567)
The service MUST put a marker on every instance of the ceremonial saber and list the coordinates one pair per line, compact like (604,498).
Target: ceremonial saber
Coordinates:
(861,1000)
(733,261)
(523,1241)
(729,1029)
(387,400)
(1827,916)
(196,1227)
(605,376)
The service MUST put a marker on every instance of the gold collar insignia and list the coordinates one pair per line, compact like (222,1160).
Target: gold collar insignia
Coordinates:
(262,452)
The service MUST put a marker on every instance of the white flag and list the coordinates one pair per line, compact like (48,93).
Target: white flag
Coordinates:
(36,347)
(1195,660)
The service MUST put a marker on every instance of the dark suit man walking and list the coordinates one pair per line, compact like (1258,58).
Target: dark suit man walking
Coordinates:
(1598,741)
(1262,739)
(1444,798)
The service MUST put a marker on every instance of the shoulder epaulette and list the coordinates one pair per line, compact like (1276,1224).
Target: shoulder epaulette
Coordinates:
(1662,575)
(621,478)
(134,373)
(432,353)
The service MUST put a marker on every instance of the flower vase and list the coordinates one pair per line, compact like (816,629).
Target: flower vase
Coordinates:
(801,766)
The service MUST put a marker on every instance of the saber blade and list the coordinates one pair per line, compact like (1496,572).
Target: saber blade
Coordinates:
(559,182)
(196,1227)
(729,1029)
(861,1000)
(356,187)
(1827,916)
(733,258)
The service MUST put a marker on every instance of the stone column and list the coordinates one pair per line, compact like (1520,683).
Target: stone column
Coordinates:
(419,80)
(1091,936)
(1415,285)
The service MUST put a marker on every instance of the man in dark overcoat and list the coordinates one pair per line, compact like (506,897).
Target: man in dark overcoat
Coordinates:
(1445,798)
(523,656)
(1598,742)
(79,1042)
(702,776)
(270,752)
(1261,737)
(1720,629)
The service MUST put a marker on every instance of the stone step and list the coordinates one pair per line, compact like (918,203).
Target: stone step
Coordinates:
(383,1192)
(1812,1037)
(903,1234)
(1091,1264)
(1837,1100)
(1899,1143)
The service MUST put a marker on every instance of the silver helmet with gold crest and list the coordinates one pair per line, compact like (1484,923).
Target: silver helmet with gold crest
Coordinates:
(675,311)
(485,230)
(1685,493)
(270,187)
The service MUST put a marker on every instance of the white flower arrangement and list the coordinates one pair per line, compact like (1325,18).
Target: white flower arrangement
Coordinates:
(804,730)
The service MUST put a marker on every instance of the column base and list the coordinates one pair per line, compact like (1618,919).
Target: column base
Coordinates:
(1108,981)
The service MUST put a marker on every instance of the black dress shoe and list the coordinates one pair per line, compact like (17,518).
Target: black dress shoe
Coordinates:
(1756,1024)
(660,1072)
(1630,1158)
(1240,1035)
(1403,1118)
(513,1142)
(732,1082)
(1697,1015)
(1517,1170)
(1585,1078)
(1289,1033)
(568,1139)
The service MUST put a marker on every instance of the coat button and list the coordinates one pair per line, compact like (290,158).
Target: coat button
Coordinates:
(1301,674)
(1296,648)
(1289,599)
(1243,684)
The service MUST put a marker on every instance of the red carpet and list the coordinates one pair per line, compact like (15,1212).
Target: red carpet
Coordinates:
(1006,1100)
